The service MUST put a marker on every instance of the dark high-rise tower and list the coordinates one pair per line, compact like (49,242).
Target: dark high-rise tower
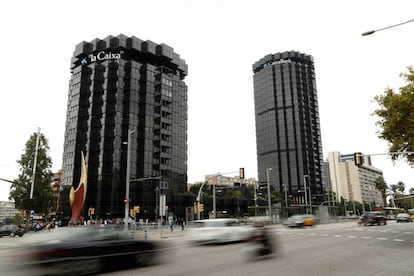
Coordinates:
(288,132)
(121,84)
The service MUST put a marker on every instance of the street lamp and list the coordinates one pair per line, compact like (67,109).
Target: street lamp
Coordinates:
(392,26)
(305,188)
(130,132)
(285,188)
(35,164)
(255,200)
(269,203)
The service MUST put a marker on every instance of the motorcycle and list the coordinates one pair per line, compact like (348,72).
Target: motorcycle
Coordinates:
(260,244)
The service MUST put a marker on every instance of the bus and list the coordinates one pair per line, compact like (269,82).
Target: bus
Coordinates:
(411,212)
(390,212)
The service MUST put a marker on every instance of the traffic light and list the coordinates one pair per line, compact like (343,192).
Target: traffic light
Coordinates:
(91,211)
(125,200)
(131,212)
(136,210)
(241,173)
(195,207)
(358,159)
(201,207)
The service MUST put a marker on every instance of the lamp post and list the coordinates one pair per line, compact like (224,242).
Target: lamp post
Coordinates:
(269,203)
(198,199)
(199,195)
(35,164)
(310,197)
(305,188)
(392,26)
(130,132)
(255,200)
(285,189)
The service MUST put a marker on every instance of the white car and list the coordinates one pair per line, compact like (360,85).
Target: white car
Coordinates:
(224,230)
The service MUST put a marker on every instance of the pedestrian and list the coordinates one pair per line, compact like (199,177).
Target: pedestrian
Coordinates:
(182,225)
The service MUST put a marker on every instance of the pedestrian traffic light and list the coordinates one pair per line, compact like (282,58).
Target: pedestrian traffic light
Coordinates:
(358,158)
(241,173)
(91,211)
(195,207)
(136,210)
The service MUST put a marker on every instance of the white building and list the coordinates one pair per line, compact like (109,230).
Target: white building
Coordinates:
(230,180)
(354,183)
(7,210)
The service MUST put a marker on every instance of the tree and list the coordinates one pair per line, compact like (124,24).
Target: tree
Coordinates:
(382,186)
(401,187)
(277,197)
(411,191)
(42,199)
(396,115)
(394,188)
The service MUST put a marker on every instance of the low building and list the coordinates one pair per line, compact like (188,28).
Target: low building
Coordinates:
(352,182)
(7,210)
(230,181)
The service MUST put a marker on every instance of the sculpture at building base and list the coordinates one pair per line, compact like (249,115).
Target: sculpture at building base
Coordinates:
(77,197)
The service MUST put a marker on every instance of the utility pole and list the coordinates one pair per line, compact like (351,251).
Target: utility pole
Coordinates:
(35,164)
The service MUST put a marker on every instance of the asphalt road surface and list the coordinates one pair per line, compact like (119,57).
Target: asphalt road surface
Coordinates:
(334,249)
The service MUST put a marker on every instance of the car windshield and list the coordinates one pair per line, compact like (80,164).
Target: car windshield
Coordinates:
(215,223)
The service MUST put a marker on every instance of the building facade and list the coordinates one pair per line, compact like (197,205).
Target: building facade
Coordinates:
(288,136)
(230,181)
(119,86)
(354,183)
(7,211)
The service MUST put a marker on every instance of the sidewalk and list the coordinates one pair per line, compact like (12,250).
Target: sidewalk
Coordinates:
(157,233)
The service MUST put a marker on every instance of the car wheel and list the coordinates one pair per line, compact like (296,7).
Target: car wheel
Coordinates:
(145,258)
(12,234)
(73,267)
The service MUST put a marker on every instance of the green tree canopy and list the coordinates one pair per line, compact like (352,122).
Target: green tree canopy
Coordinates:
(396,118)
(42,191)
(232,194)
(401,187)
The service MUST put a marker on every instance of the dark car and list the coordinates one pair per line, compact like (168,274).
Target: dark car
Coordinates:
(403,217)
(373,218)
(11,231)
(81,251)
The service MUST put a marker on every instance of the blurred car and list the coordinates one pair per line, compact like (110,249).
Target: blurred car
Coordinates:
(11,230)
(372,218)
(300,220)
(219,231)
(82,251)
(403,217)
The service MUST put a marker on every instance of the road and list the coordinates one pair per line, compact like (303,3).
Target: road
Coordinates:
(334,249)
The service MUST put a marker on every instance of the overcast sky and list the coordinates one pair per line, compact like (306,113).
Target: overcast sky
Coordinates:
(219,40)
